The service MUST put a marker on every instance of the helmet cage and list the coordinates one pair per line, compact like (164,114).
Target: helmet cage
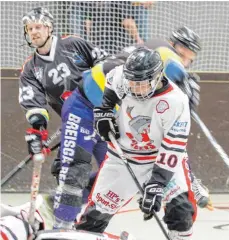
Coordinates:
(142,89)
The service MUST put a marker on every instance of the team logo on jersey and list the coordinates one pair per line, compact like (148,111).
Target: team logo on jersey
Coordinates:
(38,72)
(140,127)
(180,126)
(162,106)
(75,57)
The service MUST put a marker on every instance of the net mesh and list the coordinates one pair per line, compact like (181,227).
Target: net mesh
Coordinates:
(103,24)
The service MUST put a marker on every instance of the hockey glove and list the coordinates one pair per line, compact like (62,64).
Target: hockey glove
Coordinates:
(36,141)
(152,198)
(105,122)
(190,86)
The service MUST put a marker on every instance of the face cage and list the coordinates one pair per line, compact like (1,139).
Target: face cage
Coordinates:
(139,88)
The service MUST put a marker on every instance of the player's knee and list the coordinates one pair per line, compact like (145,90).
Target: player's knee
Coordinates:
(94,221)
(82,156)
(179,214)
(78,175)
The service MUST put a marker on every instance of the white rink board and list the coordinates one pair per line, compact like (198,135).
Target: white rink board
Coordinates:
(209,225)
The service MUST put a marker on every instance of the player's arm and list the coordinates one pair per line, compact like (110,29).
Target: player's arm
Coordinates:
(94,80)
(104,115)
(174,119)
(175,71)
(175,122)
(32,99)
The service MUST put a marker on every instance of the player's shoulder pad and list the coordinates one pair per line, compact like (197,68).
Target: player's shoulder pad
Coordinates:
(114,75)
(26,64)
(175,71)
(167,54)
(174,99)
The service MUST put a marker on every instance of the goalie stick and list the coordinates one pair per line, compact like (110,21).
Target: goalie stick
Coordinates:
(211,139)
(122,156)
(28,158)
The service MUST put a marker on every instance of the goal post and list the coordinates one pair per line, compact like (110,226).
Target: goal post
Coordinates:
(97,22)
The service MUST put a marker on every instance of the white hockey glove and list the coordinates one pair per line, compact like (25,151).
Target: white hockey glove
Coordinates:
(152,198)
(105,122)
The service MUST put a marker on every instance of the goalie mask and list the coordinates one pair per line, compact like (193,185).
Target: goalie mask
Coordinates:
(187,38)
(142,73)
(40,16)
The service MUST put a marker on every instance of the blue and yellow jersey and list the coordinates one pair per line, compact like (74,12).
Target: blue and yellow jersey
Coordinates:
(94,79)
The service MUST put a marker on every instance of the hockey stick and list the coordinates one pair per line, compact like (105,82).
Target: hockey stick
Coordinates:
(122,156)
(211,139)
(38,160)
(28,158)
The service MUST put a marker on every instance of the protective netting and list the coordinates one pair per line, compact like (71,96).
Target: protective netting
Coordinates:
(103,24)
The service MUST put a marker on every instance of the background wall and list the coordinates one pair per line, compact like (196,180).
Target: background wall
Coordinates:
(206,163)
(210,19)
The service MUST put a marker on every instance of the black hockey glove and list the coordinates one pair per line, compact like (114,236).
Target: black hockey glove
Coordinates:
(36,141)
(105,122)
(190,86)
(152,198)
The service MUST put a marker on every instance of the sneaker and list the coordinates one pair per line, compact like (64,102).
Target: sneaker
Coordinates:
(201,193)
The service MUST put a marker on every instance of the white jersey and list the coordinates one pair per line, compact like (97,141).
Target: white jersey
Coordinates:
(155,129)
(13,228)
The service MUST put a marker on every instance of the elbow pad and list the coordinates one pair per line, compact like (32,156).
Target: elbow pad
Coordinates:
(38,118)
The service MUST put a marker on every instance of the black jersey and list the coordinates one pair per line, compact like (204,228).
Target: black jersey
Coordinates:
(120,58)
(44,79)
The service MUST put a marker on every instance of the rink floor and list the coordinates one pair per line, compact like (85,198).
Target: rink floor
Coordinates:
(209,225)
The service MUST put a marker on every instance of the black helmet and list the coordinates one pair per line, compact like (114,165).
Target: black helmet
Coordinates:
(186,37)
(143,65)
(37,15)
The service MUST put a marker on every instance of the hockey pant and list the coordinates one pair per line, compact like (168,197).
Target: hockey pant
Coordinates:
(78,143)
(114,187)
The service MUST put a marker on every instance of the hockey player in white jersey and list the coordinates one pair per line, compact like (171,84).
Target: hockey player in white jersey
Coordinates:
(152,128)
(14,225)
(14,222)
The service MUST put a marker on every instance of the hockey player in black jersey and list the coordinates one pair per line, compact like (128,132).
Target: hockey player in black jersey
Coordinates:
(47,77)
